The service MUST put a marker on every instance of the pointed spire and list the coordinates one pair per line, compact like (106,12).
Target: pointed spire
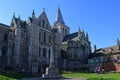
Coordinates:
(87,37)
(79,32)
(117,41)
(95,48)
(44,9)
(33,13)
(59,18)
(14,15)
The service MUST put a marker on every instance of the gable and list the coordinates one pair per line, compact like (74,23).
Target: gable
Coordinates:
(43,21)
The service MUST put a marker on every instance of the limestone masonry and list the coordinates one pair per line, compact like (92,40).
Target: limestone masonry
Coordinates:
(27,45)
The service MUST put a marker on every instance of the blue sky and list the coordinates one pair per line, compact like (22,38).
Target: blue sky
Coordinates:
(100,18)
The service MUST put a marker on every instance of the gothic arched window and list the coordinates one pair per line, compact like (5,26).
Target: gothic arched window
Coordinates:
(44,52)
(49,54)
(5,37)
(39,36)
(49,39)
(44,37)
(43,24)
(39,51)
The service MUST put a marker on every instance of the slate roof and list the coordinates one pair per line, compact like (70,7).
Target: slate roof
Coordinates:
(59,18)
(4,25)
(70,36)
(112,49)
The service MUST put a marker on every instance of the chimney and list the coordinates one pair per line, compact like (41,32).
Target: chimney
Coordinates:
(118,44)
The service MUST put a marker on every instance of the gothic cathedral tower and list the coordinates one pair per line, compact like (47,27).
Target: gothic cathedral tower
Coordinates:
(60,26)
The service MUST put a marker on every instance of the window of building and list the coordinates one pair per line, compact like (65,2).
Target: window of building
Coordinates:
(63,30)
(44,37)
(5,37)
(40,23)
(39,36)
(39,51)
(49,39)
(49,54)
(43,23)
(44,52)
(66,31)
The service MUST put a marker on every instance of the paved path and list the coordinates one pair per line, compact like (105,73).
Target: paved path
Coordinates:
(52,79)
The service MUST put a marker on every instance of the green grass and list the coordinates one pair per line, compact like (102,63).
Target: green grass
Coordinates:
(13,76)
(88,76)
(93,76)
(6,78)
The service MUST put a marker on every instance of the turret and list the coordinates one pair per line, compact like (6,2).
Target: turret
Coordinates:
(95,48)
(79,32)
(33,14)
(87,37)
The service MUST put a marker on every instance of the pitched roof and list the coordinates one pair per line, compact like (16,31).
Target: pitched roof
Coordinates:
(4,25)
(59,18)
(70,36)
(112,49)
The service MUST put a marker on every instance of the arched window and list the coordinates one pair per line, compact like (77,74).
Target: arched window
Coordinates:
(44,37)
(43,24)
(39,51)
(49,39)
(63,30)
(5,37)
(66,31)
(39,37)
(44,52)
(49,54)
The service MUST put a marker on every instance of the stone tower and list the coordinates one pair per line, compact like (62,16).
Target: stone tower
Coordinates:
(33,43)
(59,24)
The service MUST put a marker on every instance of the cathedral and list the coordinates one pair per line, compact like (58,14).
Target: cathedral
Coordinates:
(27,45)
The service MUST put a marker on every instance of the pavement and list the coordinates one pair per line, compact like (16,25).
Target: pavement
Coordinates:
(53,79)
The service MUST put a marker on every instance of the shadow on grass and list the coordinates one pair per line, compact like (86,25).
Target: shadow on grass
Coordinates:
(16,75)
(101,79)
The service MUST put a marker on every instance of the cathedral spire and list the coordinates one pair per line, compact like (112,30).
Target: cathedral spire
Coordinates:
(87,37)
(79,33)
(14,15)
(59,18)
(33,13)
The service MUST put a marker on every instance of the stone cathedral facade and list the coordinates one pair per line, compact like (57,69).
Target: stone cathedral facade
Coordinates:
(27,45)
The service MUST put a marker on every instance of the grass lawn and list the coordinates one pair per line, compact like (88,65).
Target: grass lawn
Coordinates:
(88,76)
(93,76)
(13,76)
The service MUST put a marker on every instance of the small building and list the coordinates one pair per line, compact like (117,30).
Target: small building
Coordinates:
(107,58)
